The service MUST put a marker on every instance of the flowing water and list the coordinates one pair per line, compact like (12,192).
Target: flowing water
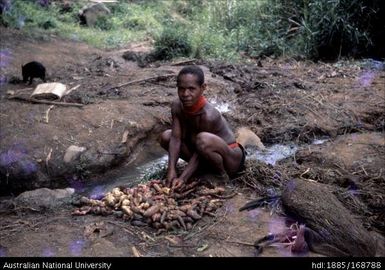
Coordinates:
(153,159)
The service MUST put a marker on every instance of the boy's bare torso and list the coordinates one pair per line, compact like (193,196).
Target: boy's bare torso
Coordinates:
(208,119)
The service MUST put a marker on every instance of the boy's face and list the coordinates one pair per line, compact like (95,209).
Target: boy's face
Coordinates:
(189,89)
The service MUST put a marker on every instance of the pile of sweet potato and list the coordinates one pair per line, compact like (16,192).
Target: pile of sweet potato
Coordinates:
(156,205)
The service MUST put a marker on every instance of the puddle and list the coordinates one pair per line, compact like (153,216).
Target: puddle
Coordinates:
(277,152)
(273,153)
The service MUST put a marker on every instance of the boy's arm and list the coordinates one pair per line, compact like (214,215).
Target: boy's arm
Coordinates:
(190,168)
(174,145)
(212,121)
(187,173)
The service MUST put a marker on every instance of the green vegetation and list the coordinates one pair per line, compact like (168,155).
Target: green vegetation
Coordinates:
(218,29)
(172,42)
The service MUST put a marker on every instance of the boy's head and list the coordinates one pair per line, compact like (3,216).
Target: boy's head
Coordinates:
(191,84)
(193,70)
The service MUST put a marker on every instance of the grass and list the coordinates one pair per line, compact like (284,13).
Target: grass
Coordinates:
(212,29)
(127,24)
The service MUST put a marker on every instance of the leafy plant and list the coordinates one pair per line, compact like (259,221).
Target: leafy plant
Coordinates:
(172,42)
(104,23)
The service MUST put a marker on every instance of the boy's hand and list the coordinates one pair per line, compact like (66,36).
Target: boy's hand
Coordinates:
(171,175)
(177,183)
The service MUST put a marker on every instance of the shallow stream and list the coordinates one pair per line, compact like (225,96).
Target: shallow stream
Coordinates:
(153,159)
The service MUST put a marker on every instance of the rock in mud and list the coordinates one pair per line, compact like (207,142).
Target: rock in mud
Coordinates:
(72,153)
(142,58)
(99,160)
(90,14)
(45,198)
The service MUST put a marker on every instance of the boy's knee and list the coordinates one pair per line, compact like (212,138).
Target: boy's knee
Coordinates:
(203,140)
(164,138)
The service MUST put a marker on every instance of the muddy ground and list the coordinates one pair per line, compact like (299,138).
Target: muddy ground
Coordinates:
(282,100)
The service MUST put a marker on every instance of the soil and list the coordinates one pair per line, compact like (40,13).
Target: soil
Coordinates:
(282,100)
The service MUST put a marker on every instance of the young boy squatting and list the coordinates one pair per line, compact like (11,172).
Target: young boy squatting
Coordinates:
(199,134)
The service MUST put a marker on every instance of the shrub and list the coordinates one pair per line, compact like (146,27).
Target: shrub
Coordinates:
(48,23)
(172,42)
(104,23)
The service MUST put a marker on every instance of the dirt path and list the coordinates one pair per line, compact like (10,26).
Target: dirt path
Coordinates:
(282,100)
